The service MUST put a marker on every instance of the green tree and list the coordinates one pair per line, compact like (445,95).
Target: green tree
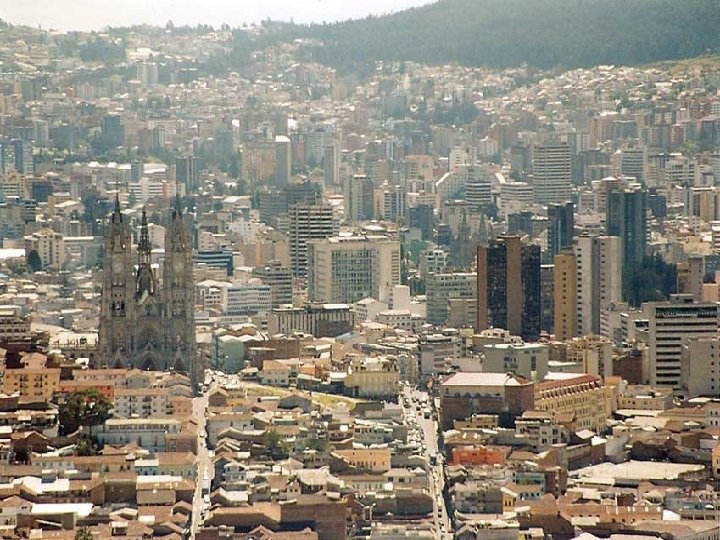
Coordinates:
(276,445)
(84,408)
(83,533)
(650,281)
(34,261)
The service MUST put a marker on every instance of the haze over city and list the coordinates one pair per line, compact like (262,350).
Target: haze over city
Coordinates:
(96,14)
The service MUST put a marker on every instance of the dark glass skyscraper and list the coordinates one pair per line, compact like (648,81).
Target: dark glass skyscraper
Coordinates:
(627,218)
(561,225)
(508,287)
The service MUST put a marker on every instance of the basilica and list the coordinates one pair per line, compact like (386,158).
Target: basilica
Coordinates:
(147,318)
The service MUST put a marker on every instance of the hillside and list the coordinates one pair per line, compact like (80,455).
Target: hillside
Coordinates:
(504,33)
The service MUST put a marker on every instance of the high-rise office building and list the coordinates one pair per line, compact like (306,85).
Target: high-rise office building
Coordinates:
(561,226)
(283,160)
(552,173)
(112,131)
(331,163)
(670,326)
(24,159)
(565,295)
(690,277)
(136,170)
(626,217)
(345,269)
(508,287)
(359,195)
(308,222)
(279,278)
(477,188)
(187,172)
(632,163)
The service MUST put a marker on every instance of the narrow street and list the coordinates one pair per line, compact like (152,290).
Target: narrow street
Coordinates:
(204,463)
(416,404)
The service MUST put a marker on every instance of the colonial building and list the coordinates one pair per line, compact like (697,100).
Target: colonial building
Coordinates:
(145,323)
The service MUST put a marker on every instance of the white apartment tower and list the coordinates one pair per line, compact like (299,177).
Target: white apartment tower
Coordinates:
(598,278)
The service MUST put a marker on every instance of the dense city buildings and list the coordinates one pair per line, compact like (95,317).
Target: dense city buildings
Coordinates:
(248,291)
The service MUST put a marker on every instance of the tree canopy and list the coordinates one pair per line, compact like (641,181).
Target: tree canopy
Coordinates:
(84,408)
(507,33)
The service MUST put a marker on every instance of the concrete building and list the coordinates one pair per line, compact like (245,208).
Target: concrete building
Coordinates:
(464,394)
(440,288)
(547,298)
(374,378)
(308,222)
(508,287)
(14,327)
(585,397)
(359,198)
(700,366)
(690,277)
(35,384)
(529,360)
(280,280)
(565,295)
(598,262)
(541,430)
(49,245)
(331,163)
(319,320)
(246,299)
(671,325)
(283,160)
(552,173)
(345,269)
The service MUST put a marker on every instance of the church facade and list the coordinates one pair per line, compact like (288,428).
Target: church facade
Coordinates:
(146,322)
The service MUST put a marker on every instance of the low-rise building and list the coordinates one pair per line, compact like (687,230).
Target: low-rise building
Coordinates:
(464,394)
(36,383)
(375,377)
(584,396)
(529,360)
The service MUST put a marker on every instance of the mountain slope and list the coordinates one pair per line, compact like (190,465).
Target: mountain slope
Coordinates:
(542,33)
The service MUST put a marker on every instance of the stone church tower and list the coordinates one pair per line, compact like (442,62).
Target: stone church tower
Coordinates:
(145,323)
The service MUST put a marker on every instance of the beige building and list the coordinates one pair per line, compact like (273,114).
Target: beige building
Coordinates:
(13,326)
(142,402)
(372,377)
(49,245)
(565,295)
(594,353)
(700,366)
(584,396)
(36,383)
(371,459)
(345,269)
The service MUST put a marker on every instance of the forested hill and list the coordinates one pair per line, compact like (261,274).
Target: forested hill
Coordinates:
(542,33)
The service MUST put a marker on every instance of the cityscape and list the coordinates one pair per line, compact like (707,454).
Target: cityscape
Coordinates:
(254,287)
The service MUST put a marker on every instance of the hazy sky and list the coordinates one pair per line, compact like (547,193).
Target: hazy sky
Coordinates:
(94,14)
